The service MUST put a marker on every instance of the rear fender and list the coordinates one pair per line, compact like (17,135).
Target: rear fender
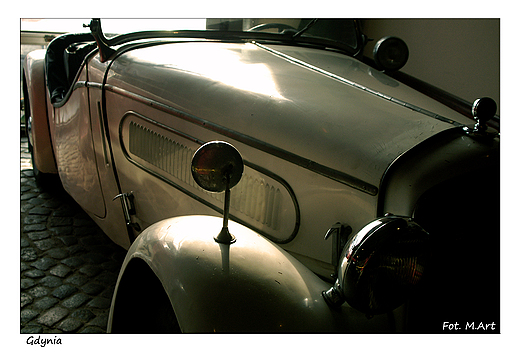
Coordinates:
(251,285)
(36,92)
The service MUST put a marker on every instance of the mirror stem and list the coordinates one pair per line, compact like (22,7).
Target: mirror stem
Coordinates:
(225,236)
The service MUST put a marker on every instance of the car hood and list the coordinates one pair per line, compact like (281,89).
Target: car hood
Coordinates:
(326,107)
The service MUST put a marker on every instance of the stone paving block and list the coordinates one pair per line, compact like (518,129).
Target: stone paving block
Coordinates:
(44,263)
(24,208)
(27,314)
(45,303)
(57,253)
(33,184)
(38,291)
(34,227)
(92,288)
(24,149)
(24,242)
(25,300)
(26,283)
(52,316)
(77,279)
(28,254)
(27,196)
(36,201)
(75,300)
(73,262)
(64,291)
(51,281)
(70,325)
(31,329)
(92,330)
(35,273)
(60,270)
(34,219)
(47,244)
(24,267)
(83,315)
(38,235)
(40,211)
(99,321)
(76,249)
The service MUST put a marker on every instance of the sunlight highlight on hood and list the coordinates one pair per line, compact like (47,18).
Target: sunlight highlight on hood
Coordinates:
(227,67)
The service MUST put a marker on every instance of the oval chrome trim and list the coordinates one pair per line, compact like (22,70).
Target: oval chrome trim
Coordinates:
(253,166)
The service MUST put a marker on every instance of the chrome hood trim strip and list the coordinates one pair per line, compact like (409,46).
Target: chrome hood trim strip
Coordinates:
(253,142)
(358,86)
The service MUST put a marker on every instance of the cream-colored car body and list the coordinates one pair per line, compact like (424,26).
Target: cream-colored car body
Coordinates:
(318,131)
(37,113)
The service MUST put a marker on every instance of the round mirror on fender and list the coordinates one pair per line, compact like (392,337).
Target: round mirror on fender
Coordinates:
(390,53)
(381,265)
(213,163)
(216,167)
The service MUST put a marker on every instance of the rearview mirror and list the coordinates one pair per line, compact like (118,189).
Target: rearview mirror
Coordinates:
(214,163)
(216,167)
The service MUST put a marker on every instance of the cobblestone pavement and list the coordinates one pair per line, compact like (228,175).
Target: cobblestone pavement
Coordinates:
(69,267)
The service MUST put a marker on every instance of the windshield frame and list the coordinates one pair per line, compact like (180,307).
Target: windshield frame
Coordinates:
(286,38)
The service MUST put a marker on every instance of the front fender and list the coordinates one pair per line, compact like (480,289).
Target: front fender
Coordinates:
(251,285)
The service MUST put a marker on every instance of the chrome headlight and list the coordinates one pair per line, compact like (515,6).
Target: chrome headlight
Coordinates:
(380,265)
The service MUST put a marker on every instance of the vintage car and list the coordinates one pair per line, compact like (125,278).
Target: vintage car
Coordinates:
(273,179)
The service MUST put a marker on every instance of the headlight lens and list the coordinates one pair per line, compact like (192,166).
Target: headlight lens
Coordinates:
(382,263)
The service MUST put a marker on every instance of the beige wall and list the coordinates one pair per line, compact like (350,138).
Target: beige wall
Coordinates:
(461,56)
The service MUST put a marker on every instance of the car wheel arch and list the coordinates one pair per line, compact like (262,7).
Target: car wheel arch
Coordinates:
(140,303)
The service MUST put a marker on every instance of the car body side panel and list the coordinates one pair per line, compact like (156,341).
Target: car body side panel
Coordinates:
(42,146)
(167,196)
(113,223)
(242,92)
(250,89)
(75,151)
(251,285)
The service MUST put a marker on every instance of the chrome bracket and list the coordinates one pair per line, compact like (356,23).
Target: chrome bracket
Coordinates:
(127,202)
(340,233)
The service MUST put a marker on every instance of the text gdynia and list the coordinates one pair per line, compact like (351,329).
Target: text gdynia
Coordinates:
(43,341)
